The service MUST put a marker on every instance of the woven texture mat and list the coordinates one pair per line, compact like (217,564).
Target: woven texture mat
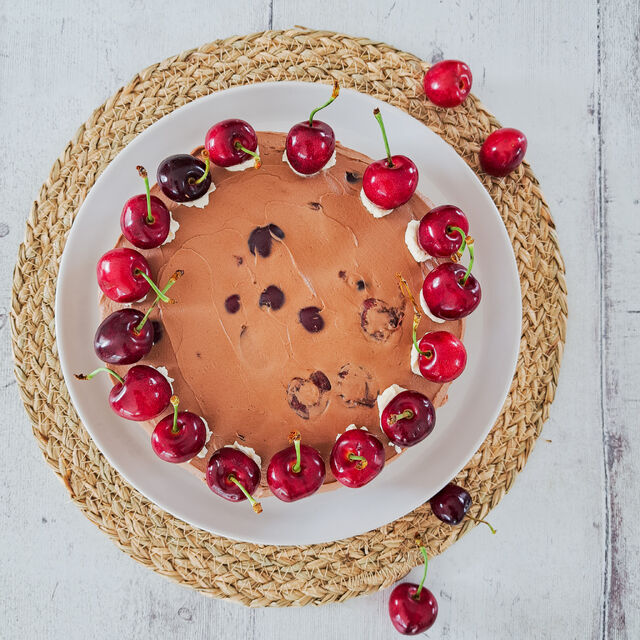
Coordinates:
(259,575)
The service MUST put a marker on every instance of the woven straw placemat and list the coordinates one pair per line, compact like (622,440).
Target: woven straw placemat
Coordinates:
(259,575)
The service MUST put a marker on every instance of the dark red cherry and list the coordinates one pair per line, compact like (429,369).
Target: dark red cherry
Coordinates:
(179,437)
(232,142)
(233,475)
(357,458)
(310,144)
(295,472)
(121,274)
(502,152)
(408,418)
(451,504)
(122,338)
(145,219)
(447,295)
(411,613)
(448,83)
(183,177)
(437,233)
(390,182)
(445,357)
(142,394)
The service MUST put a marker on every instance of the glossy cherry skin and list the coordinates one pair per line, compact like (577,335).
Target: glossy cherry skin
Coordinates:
(435,233)
(310,147)
(451,504)
(228,461)
(390,187)
(221,138)
(447,356)
(409,615)
(502,152)
(137,229)
(119,278)
(286,484)
(446,296)
(181,446)
(116,340)
(360,443)
(144,395)
(177,174)
(448,83)
(406,432)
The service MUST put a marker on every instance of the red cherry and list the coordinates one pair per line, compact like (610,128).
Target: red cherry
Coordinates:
(448,295)
(121,274)
(310,144)
(412,608)
(145,219)
(142,394)
(234,476)
(408,418)
(451,504)
(448,83)
(389,182)
(295,472)
(122,338)
(437,233)
(502,152)
(357,458)
(445,357)
(179,437)
(232,142)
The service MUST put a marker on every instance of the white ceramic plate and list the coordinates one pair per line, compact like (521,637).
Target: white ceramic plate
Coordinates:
(492,338)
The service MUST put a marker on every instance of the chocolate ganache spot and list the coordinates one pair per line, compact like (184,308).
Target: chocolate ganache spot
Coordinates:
(232,303)
(272,297)
(311,319)
(261,239)
(380,320)
(352,177)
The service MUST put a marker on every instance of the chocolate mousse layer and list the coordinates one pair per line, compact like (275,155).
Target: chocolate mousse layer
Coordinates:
(289,315)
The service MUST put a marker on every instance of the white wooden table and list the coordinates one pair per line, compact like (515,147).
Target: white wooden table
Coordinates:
(565,563)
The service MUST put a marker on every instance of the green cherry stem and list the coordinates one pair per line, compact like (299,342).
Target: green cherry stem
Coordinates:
(361,461)
(466,275)
(172,280)
(89,376)
(143,174)
(152,284)
(207,164)
(334,95)
(257,162)
(378,117)
(464,238)
(174,403)
(294,439)
(257,507)
(416,322)
(483,522)
(423,550)
(467,243)
(407,414)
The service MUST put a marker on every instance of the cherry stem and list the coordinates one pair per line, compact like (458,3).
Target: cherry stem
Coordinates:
(257,507)
(175,402)
(361,461)
(172,280)
(468,272)
(152,284)
(464,238)
(143,174)
(82,376)
(203,177)
(416,322)
(378,117)
(296,467)
(407,414)
(483,522)
(424,575)
(238,145)
(334,95)
(467,243)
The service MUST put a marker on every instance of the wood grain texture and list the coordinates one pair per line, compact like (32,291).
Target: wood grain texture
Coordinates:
(564,563)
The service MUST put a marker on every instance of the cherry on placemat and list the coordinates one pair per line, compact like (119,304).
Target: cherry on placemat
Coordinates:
(408,418)
(232,142)
(234,476)
(502,152)
(448,83)
(295,472)
(183,177)
(357,457)
(145,219)
(180,436)
(451,505)
(143,393)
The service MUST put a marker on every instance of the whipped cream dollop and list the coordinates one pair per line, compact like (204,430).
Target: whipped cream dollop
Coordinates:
(373,209)
(165,373)
(202,201)
(203,451)
(174,225)
(383,400)
(330,162)
(247,164)
(427,311)
(415,367)
(411,240)
(250,451)
(351,427)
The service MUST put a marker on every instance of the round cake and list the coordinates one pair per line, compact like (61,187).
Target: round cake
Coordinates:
(289,315)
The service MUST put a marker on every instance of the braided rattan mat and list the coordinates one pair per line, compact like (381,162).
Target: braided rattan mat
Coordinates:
(254,574)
